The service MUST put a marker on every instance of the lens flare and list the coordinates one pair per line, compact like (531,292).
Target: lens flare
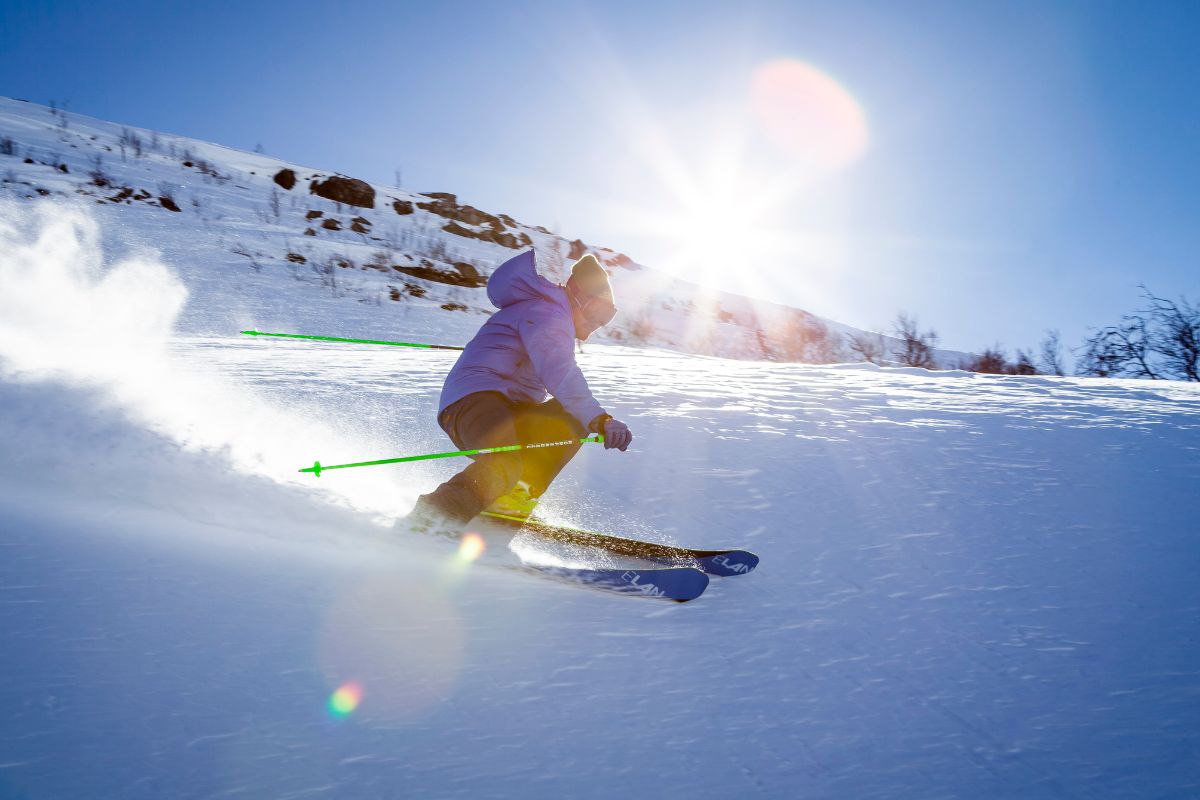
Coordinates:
(471,547)
(345,700)
(808,114)
(399,633)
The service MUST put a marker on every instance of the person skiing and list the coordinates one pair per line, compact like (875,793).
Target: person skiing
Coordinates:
(517,382)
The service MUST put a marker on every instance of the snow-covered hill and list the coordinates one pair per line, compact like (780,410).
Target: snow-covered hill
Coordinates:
(258,247)
(971,586)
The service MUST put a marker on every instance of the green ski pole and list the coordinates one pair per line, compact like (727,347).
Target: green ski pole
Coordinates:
(316,469)
(353,341)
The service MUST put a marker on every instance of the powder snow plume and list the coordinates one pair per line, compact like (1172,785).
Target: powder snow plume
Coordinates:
(62,314)
(68,316)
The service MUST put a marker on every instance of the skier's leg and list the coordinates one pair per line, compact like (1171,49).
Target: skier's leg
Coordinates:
(546,422)
(477,421)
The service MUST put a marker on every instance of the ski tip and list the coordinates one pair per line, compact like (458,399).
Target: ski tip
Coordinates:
(729,563)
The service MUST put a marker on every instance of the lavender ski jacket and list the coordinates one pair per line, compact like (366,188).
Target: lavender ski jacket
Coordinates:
(526,350)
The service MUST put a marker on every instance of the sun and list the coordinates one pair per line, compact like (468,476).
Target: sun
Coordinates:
(724,178)
(718,230)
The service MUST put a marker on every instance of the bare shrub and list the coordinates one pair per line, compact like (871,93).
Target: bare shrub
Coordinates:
(810,340)
(871,347)
(991,361)
(1160,341)
(380,260)
(1050,360)
(166,195)
(1023,365)
(58,112)
(130,140)
(917,347)
(97,174)
(1176,336)
(1122,350)
(241,250)
(327,271)
(641,327)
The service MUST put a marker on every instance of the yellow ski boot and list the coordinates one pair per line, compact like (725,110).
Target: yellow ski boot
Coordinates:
(517,503)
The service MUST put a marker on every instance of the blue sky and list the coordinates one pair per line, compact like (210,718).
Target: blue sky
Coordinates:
(1027,166)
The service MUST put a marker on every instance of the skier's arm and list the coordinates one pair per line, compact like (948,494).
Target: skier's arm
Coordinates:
(549,340)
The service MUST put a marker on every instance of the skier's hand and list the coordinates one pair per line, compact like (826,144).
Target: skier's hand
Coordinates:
(616,434)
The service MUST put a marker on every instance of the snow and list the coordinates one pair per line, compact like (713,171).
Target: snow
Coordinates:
(971,586)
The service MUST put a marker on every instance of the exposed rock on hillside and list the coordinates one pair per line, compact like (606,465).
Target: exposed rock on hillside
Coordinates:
(341,189)
(286,178)
(464,274)
(475,224)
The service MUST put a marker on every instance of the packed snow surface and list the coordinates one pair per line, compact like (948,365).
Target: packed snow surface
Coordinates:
(971,586)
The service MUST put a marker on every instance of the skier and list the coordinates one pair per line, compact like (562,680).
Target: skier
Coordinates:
(499,393)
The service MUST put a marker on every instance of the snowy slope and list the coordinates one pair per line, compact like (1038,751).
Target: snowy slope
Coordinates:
(971,586)
(255,254)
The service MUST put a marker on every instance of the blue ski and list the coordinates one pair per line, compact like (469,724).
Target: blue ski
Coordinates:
(714,562)
(670,583)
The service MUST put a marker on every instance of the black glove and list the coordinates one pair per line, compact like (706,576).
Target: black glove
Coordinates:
(616,434)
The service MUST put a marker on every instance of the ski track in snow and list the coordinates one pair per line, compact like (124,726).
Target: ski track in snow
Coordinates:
(970,586)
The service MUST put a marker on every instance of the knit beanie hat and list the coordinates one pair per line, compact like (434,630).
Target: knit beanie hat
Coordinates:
(589,279)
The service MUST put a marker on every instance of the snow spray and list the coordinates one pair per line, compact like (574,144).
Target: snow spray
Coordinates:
(68,316)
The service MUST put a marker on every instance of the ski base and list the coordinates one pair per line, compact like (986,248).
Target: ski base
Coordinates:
(714,562)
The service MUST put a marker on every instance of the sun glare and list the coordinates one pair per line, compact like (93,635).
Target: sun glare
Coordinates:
(730,215)
(715,230)
(732,174)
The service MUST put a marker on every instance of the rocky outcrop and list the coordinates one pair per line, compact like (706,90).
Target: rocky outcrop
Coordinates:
(463,275)
(472,223)
(608,258)
(502,238)
(620,260)
(286,178)
(341,189)
(446,205)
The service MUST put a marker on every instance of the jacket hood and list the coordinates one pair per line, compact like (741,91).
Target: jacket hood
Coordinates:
(517,279)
